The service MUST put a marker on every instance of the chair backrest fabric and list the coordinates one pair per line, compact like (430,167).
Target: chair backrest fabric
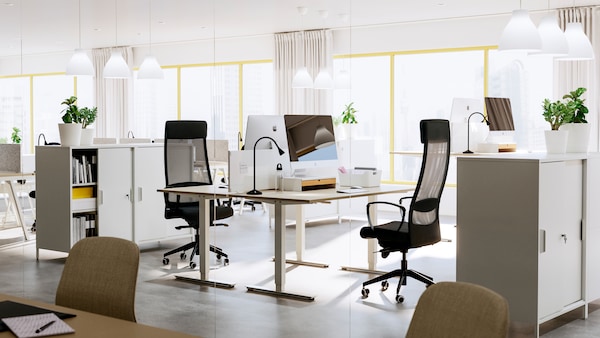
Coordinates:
(423,217)
(100,276)
(459,309)
(185,157)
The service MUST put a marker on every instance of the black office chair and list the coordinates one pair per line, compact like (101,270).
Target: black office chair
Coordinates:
(421,225)
(186,164)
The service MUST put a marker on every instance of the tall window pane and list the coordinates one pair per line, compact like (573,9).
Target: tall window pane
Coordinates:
(14,110)
(155,102)
(258,92)
(49,92)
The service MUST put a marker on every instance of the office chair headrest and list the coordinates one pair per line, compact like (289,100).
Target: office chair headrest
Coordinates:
(435,130)
(185,129)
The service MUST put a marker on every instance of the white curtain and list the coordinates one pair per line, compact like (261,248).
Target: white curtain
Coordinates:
(113,96)
(313,50)
(569,75)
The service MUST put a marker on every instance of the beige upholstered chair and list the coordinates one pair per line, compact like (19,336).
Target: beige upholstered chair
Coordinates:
(458,309)
(100,276)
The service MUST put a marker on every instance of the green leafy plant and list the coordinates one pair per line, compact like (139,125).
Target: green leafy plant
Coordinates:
(570,110)
(576,110)
(349,114)
(14,136)
(554,113)
(88,116)
(71,113)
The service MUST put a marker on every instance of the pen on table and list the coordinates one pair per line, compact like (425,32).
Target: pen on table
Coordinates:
(45,326)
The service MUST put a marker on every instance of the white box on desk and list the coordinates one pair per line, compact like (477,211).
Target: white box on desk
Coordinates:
(361,177)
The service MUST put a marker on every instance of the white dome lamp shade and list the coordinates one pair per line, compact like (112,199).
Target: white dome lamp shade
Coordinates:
(554,41)
(520,34)
(302,79)
(150,69)
(342,80)
(323,80)
(80,64)
(580,47)
(116,67)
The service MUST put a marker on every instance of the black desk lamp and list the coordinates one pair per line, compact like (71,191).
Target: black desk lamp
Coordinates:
(468,151)
(281,152)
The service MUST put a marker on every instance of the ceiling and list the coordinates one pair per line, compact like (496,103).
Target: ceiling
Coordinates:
(55,26)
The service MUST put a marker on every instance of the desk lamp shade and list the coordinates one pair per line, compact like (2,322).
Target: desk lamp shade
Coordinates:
(520,34)
(116,67)
(150,69)
(80,64)
(580,47)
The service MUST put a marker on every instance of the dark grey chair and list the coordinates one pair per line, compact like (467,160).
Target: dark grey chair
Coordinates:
(186,164)
(420,225)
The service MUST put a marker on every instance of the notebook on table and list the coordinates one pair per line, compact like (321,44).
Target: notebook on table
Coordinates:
(13,309)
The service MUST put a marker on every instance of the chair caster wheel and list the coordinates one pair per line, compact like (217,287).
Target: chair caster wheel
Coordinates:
(226,262)
(399,298)
(192,265)
(165,261)
(384,285)
(183,256)
(365,293)
(218,257)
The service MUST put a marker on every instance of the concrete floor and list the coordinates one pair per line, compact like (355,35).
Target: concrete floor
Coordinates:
(338,310)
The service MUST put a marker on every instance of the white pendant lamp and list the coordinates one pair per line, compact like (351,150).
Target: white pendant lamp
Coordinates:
(342,80)
(302,79)
(520,34)
(323,80)
(580,47)
(80,64)
(116,67)
(150,69)
(553,38)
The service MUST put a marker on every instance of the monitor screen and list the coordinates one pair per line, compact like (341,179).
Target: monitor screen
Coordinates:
(311,141)
(499,113)
(265,125)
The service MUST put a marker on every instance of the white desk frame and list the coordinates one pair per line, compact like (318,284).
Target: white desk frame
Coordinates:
(279,199)
(9,178)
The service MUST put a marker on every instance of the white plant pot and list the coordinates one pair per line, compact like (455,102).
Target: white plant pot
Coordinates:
(70,134)
(87,136)
(579,137)
(556,141)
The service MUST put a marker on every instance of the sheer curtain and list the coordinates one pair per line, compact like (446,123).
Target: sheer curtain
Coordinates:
(573,74)
(313,50)
(113,96)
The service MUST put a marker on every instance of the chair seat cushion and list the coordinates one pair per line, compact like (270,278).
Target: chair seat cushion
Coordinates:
(391,235)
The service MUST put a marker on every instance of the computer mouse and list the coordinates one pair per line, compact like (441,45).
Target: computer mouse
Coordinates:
(355,187)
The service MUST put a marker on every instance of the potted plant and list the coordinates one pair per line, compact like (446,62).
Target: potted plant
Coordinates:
(555,114)
(575,122)
(346,119)
(14,136)
(70,129)
(87,117)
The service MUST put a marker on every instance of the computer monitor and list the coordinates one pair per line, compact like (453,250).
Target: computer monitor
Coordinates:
(258,126)
(502,127)
(311,142)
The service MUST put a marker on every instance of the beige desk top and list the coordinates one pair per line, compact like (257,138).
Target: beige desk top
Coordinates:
(290,197)
(91,325)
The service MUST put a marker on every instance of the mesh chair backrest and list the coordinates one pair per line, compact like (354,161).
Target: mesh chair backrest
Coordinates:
(424,208)
(186,156)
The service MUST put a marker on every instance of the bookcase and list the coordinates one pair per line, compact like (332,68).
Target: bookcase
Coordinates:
(100,190)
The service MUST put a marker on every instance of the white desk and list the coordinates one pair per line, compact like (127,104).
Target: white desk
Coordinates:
(9,178)
(278,199)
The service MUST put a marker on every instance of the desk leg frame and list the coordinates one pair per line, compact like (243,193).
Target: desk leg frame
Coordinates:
(279,261)
(12,194)
(204,249)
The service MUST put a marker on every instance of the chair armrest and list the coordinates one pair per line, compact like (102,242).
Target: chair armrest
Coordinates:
(401,209)
(405,198)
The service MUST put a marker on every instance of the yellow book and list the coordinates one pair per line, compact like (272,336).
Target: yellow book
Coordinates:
(83,192)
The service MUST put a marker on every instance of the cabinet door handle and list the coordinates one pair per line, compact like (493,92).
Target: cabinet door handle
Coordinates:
(139,194)
(101,197)
(542,240)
